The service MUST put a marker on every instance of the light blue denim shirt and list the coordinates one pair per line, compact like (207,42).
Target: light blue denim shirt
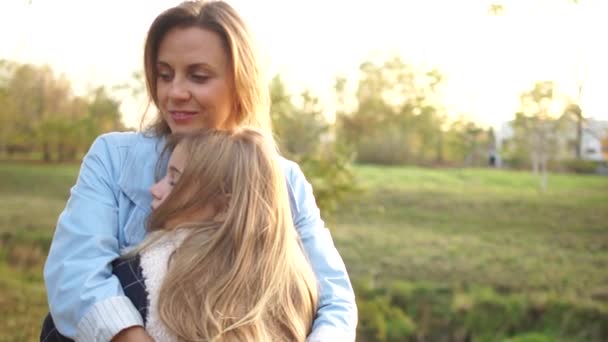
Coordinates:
(106,213)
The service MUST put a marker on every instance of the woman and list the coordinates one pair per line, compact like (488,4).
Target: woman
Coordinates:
(201,72)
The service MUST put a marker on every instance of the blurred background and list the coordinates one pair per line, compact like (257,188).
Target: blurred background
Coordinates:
(458,150)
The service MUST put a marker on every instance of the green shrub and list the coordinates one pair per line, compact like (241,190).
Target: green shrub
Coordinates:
(365,289)
(400,294)
(580,166)
(24,249)
(493,315)
(399,325)
(530,337)
(406,311)
(586,321)
(331,176)
(372,320)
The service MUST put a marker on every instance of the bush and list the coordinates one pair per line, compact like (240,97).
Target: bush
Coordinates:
(330,174)
(372,321)
(516,161)
(586,321)
(492,315)
(530,337)
(580,166)
(400,293)
(406,311)
(399,325)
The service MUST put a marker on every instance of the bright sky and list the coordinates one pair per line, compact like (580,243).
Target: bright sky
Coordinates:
(487,60)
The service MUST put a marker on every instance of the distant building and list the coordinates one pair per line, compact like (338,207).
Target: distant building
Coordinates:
(594,135)
(503,134)
(594,144)
(593,147)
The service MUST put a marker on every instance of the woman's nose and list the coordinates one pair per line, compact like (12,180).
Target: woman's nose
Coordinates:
(179,90)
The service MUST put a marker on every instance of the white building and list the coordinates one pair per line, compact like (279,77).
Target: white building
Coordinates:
(594,140)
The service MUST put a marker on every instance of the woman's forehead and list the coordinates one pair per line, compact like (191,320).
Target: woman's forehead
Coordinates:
(192,47)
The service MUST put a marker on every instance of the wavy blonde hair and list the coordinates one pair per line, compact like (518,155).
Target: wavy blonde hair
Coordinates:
(251,95)
(243,275)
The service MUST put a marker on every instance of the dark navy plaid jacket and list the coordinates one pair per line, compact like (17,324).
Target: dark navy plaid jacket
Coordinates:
(130,275)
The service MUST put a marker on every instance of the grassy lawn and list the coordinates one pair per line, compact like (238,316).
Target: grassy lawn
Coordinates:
(31,198)
(453,228)
(468,227)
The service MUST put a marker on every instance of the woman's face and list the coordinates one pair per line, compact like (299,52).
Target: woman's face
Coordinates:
(195,87)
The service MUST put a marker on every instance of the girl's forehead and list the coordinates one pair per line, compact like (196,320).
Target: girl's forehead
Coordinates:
(179,156)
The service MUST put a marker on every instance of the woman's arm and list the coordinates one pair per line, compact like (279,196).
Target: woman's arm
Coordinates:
(133,334)
(86,301)
(336,318)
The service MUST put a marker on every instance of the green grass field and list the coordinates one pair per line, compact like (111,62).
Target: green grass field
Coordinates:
(469,237)
(478,227)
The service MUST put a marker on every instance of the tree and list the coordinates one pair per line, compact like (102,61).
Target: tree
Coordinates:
(104,111)
(303,135)
(573,110)
(299,130)
(8,115)
(467,143)
(39,113)
(496,9)
(397,119)
(536,132)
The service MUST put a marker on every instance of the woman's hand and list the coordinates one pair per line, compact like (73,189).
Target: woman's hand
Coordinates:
(133,334)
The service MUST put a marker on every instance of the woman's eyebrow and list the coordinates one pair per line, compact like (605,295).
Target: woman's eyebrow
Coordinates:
(162,64)
(201,66)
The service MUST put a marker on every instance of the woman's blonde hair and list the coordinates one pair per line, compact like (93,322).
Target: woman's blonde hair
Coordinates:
(252,105)
(241,276)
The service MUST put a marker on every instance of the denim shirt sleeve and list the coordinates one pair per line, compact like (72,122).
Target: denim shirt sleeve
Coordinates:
(336,318)
(78,276)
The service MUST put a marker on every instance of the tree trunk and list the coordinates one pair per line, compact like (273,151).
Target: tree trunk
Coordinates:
(535,162)
(439,158)
(543,176)
(579,135)
(46,153)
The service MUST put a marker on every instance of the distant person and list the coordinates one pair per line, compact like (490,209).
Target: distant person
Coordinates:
(494,159)
(201,73)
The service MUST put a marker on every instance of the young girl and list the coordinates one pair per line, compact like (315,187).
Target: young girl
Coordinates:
(202,72)
(224,262)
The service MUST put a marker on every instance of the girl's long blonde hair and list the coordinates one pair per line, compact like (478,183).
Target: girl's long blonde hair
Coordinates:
(241,276)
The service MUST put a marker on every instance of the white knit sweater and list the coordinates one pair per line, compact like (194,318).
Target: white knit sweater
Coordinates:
(154,262)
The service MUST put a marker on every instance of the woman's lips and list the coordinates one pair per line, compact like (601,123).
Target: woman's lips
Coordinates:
(182,116)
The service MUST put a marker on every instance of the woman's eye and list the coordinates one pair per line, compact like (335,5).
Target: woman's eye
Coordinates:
(200,78)
(164,76)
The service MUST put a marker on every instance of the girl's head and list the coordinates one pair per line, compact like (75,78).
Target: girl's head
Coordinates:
(202,70)
(212,172)
(240,274)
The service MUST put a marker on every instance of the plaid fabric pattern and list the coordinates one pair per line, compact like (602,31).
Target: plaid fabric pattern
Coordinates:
(129,274)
